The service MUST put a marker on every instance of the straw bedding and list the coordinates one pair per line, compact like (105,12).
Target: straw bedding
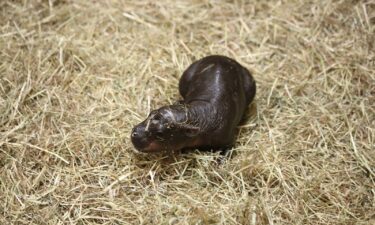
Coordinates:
(76,76)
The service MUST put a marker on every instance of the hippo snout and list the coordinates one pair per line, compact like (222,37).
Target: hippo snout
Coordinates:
(139,138)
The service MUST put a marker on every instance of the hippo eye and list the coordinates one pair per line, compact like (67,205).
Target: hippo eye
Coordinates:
(157,117)
(159,133)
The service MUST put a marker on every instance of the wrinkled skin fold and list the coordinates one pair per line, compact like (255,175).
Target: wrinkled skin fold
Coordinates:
(216,91)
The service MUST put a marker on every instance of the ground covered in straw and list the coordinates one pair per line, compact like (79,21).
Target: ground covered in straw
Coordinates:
(75,76)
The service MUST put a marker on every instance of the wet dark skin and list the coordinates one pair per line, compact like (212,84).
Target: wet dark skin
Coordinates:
(216,91)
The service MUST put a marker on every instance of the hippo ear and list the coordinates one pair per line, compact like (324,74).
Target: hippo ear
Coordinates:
(188,129)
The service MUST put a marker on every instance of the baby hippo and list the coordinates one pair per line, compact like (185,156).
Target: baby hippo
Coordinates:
(216,91)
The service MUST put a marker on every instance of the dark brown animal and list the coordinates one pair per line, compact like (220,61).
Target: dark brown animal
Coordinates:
(216,92)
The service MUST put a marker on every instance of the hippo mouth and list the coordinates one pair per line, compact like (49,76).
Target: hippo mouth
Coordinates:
(143,141)
(147,146)
(152,147)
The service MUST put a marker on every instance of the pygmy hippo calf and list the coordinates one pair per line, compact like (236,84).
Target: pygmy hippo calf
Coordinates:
(216,92)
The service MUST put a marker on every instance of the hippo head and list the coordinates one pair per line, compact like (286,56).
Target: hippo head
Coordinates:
(165,129)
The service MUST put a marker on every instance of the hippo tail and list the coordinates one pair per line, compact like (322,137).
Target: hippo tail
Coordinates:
(249,85)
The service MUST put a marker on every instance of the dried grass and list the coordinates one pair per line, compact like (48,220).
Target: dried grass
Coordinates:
(75,76)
